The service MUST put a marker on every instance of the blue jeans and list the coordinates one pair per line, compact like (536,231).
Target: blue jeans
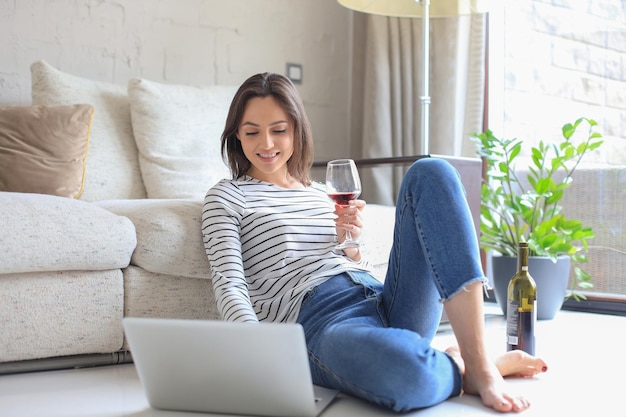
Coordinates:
(373,340)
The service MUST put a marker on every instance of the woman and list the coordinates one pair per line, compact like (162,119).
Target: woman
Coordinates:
(270,237)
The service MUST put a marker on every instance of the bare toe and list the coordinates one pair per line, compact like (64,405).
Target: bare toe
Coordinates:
(493,391)
(495,397)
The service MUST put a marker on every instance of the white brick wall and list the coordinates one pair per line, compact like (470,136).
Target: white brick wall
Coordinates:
(197,42)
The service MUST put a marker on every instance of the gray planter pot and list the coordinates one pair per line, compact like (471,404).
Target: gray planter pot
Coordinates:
(551,279)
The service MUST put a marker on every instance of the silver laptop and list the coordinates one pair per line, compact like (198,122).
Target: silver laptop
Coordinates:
(221,367)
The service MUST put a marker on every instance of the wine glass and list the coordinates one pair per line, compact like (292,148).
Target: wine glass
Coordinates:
(342,185)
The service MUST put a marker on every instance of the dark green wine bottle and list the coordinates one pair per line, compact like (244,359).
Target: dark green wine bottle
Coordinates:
(521,306)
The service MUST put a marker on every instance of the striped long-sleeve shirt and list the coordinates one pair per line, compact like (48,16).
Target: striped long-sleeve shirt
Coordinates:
(267,246)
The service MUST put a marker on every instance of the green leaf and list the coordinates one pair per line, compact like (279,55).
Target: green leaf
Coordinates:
(579,257)
(543,185)
(517,148)
(537,157)
(595,145)
(568,130)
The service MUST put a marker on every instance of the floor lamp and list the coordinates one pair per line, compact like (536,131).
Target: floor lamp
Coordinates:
(412,8)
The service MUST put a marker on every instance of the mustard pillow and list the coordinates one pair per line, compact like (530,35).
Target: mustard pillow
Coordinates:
(43,148)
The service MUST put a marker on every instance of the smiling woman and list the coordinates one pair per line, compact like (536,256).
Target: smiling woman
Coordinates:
(267,123)
(271,239)
(266,137)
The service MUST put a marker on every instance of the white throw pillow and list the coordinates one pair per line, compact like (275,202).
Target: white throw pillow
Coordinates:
(112,168)
(177,130)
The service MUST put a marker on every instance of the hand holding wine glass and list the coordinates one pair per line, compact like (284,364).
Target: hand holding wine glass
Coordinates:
(342,185)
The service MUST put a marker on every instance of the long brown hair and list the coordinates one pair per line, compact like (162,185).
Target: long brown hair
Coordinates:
(282,90)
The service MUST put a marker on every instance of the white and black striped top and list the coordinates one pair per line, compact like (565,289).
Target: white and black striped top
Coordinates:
(267,246)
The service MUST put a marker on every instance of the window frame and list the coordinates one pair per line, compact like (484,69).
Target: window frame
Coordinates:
(595,302)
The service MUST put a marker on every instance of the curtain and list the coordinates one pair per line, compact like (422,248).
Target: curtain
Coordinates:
(392,90)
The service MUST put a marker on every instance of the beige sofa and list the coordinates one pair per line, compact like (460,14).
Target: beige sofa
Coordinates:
(70,269)
(130,245)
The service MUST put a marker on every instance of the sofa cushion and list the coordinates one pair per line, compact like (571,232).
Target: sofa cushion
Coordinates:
(169,239)
(49,314)
(147,294)
(49,233)
(177,130)
(112,166)
(43,148)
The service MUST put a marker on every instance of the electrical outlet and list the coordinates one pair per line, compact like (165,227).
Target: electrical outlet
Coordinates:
(294,73)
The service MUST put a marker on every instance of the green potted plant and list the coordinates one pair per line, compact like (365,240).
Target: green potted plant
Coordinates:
(525,208)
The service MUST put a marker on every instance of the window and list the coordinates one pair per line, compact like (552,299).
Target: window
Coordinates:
(551,63)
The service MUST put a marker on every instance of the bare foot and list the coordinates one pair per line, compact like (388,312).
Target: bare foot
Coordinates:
(515,363)
(518,363)
(486,379)
(455,353)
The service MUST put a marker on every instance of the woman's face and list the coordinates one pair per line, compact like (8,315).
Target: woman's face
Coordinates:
(266,136)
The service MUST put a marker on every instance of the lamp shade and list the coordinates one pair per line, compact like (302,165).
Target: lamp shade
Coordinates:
(412,8)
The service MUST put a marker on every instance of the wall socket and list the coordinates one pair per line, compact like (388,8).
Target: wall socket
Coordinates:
(294,73)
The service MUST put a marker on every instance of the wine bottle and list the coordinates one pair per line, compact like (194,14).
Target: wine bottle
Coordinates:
(521,306)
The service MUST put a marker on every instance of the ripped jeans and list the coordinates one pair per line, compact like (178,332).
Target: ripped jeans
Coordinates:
(373,340)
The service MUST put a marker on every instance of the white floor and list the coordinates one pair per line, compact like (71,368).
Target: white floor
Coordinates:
(585,354)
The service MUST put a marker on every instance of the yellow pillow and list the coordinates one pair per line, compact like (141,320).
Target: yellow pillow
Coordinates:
(43,148)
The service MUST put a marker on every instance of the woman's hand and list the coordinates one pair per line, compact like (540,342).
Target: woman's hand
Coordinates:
(349,219)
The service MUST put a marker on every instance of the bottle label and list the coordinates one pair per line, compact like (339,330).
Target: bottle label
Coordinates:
(511,324)
(525,268)
(520,327)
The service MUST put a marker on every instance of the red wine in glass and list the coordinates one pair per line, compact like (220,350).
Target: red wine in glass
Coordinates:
(343,199)
(342,185)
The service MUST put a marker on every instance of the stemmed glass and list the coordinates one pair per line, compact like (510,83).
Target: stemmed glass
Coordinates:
(342,185)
